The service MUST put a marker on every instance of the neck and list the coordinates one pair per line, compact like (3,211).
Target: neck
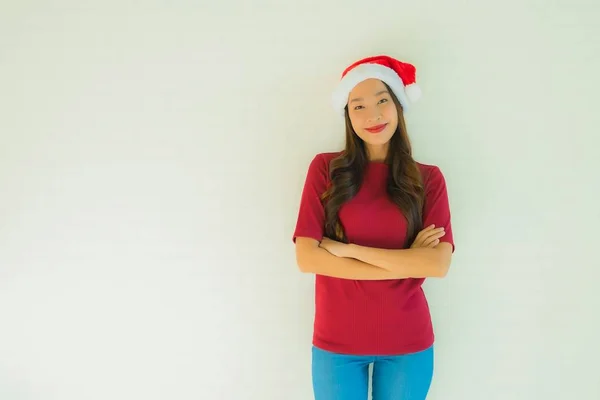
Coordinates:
(377,153)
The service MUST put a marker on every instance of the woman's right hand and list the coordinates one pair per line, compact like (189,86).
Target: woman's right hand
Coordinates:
(428,237)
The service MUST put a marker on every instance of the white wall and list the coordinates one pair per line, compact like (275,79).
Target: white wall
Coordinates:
(151,163)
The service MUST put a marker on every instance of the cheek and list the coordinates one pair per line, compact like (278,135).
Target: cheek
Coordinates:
(391,113)
(356,121)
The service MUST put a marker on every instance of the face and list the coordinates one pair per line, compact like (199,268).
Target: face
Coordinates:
(373,114)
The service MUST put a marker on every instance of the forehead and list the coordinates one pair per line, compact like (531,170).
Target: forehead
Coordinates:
(368,87)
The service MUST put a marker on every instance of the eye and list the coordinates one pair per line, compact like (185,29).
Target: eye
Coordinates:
(383,100)
(357,107)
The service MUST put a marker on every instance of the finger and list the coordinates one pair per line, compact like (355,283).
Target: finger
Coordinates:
(433,238)
(417,243)
(424,231)
(434,232)
(438,233)
(434,243)
(428,228)
(430,242)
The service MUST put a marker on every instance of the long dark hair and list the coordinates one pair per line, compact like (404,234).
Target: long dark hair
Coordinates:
(346,172)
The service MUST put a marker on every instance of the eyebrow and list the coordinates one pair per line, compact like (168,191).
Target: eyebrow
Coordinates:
(376,94)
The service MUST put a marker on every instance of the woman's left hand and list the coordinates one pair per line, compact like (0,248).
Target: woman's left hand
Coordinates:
(336,248)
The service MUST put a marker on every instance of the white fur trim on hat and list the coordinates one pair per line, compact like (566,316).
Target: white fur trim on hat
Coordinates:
(413,92)
(366,71)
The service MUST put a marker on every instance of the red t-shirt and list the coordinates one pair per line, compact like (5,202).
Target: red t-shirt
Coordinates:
(367,316)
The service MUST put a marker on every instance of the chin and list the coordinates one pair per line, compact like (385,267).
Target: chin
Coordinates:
(377,138)
(376,141)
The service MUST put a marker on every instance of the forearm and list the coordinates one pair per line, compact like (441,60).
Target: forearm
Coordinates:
(413,263)
(320,261)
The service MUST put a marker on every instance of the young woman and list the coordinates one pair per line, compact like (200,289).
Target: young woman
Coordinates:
(373,224)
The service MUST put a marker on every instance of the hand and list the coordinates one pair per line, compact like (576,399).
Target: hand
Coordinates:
(338,249)
(428,237)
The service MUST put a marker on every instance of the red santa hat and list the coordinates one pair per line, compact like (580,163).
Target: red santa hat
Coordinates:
(400,77)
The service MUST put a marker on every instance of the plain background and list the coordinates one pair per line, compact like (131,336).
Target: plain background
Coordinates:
(152,156)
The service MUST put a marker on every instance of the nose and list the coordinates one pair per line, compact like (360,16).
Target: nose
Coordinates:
(376,116)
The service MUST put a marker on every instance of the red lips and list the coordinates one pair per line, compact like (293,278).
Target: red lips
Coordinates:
(376,129)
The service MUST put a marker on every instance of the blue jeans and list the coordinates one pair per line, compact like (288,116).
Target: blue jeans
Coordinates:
(346,377)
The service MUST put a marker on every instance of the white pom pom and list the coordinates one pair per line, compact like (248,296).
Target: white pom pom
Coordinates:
(413,92)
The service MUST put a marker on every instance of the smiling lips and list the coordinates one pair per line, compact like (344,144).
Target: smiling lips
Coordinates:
(376,129)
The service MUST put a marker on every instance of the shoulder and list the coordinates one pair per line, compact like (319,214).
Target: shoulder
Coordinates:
(320,162)
(431,174)
(325,158)
(318,170)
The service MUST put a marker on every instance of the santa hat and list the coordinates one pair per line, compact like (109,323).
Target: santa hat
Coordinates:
(400,77)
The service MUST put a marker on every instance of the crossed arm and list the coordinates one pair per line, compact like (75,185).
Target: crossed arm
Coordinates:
(351,261)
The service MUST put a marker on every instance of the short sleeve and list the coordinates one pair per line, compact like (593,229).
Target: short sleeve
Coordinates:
(436,209)
(311,213)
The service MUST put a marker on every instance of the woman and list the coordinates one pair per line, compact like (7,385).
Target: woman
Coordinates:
(372,225)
